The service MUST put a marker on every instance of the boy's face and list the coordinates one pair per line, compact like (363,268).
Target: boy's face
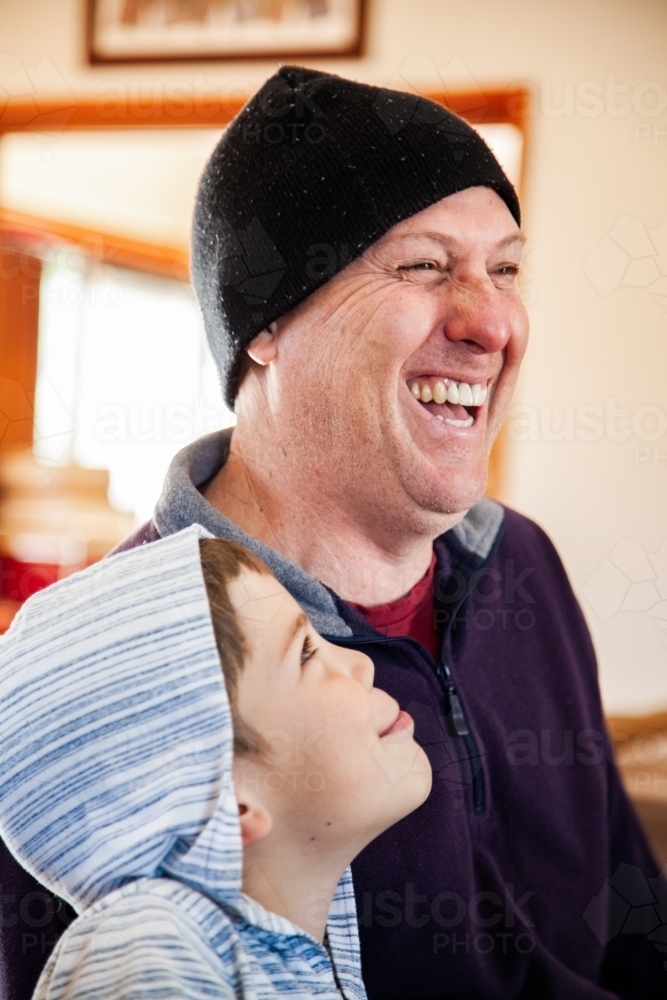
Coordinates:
(340,764)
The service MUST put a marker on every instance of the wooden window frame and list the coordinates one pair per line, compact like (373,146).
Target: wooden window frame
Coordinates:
(497,106)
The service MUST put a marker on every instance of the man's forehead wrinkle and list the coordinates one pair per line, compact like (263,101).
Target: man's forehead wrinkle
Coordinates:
(447,240)
(518,237)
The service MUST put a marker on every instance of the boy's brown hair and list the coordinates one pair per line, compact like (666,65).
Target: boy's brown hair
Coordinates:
(222,562)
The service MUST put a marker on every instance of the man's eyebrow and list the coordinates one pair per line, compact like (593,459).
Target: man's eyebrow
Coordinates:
(448,242)
(512,238)
(300,622)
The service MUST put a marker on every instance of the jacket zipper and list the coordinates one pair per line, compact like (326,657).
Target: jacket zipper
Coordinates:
(460,723)
(456,716)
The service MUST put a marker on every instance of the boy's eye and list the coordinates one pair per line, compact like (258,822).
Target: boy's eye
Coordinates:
(308,649)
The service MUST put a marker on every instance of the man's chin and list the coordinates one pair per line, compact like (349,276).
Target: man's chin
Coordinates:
(449,494)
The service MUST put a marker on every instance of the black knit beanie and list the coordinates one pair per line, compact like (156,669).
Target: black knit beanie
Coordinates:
(311,173)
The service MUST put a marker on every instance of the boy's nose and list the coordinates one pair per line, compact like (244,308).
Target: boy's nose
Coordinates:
(363,670)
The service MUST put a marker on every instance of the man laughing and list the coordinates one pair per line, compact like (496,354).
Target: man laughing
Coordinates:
(355,254)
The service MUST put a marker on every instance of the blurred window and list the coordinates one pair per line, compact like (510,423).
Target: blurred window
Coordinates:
(140,184)
(506,141)
(124,379)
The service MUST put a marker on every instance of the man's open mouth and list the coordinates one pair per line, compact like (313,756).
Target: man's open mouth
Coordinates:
(455,403)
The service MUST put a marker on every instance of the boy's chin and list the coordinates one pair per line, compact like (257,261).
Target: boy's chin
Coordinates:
(420,780)
(410,783)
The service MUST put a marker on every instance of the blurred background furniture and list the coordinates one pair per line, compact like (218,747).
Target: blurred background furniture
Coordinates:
(53,521)
(641,752)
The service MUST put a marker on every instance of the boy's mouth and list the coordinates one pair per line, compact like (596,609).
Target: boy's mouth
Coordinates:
(454,402)
(401,723)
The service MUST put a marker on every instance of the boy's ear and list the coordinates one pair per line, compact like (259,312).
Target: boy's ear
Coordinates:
(255,823)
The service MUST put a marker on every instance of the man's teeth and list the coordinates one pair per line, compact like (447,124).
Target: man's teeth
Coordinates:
(450,392)
(468,422)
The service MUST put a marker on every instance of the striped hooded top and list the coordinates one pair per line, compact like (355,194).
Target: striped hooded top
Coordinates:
(116,794)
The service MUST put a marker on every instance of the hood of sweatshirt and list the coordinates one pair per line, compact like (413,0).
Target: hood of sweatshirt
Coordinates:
(116,730)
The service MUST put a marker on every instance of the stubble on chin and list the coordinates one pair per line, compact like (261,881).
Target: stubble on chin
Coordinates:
(441,500)
(413,495)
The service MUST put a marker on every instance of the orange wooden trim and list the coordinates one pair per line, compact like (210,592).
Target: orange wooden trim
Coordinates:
(8,610)
(624,728)
(19,324)
(34,235)
(118,107)
(485,107)
(175,105)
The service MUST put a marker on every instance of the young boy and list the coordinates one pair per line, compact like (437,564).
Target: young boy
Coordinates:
(201,826)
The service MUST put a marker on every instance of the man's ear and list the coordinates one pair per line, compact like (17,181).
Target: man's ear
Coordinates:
(263,349)
(255,823)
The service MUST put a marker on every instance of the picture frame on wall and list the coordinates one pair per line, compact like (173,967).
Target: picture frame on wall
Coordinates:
(177,30)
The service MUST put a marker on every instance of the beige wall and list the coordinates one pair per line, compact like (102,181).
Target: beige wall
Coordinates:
(597,167)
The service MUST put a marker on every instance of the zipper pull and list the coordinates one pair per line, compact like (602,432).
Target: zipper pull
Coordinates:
(457,715)
(459,720)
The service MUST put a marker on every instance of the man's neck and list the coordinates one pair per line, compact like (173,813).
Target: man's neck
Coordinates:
(317,534)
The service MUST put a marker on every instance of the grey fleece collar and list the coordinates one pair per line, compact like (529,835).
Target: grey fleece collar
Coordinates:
(181,504)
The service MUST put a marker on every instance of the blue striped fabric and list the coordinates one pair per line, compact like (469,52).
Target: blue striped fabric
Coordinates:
(116,793)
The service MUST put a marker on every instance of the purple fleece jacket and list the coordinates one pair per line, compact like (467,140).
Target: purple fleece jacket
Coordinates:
(525,874)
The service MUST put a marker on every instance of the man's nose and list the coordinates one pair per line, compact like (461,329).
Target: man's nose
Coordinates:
(479,317)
